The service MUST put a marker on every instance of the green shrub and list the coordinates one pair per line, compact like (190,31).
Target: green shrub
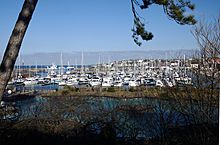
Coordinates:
(69,88)
(65,92)
(131,89)
(77,89)
(111,89)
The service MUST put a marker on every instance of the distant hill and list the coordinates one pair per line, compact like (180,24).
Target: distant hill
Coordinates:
(99,57)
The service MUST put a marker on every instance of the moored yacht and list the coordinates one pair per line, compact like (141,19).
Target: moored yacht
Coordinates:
(107,82)
(95,81)
(30,81)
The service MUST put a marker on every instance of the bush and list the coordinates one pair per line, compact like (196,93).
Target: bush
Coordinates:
(131,89)
(65,92)
(111,89)
(69,88)
(104,89)
(77,89)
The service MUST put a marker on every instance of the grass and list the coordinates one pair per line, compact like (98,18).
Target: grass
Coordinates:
(184,93)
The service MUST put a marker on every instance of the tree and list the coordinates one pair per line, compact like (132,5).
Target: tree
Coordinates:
(175,9)
(207,35)
(15,42)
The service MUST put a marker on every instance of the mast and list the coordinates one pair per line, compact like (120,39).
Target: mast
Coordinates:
(82,71)
(166,60)
(99,64)
(184,61)
(19,66)
(76,63)
(41,69)
(61,64)
(109,61)
(29,71)
(68,63)
(35,67)
(134,68)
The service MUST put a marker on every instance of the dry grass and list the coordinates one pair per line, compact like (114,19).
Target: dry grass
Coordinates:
(185,93)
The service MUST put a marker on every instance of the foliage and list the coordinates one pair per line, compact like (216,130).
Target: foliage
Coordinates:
(174,9)
(111,89)
(86,124)
(131,89)
(69,88)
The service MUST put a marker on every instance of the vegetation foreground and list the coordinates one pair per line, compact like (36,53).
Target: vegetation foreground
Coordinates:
(169,93)
(45,132)
(69,116)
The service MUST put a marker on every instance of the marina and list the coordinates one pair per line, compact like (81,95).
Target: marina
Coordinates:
(87,72)
(130,73)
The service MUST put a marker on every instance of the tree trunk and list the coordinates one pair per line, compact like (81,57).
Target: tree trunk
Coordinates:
(15,42)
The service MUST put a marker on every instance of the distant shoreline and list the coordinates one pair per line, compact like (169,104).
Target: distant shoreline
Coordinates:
(92,57)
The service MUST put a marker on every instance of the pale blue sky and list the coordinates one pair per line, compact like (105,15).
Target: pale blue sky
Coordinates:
(97,25)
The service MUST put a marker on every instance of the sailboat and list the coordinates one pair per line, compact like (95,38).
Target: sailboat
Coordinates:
(30,80)
(62,82)
(19,79)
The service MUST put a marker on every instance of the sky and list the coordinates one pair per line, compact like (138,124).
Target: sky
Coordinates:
(97,25)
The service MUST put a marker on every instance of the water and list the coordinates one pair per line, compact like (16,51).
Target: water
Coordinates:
(38,87)
(144,116)
(45,66)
